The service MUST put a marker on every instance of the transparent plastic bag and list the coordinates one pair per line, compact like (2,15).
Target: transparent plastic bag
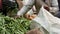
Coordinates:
(47,21)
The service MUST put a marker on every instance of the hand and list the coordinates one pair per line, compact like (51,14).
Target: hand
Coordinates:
(30,16)
(47,8)
(27,15)
(34,31)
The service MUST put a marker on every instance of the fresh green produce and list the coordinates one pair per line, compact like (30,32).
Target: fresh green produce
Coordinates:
(10,25)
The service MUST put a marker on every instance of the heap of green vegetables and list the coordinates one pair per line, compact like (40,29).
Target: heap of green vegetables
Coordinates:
(10,25)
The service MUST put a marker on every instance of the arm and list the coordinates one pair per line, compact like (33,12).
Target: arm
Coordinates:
(39,3)
(27,6)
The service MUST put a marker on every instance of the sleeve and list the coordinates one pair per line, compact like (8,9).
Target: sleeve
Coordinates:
(48,2)
(27,6)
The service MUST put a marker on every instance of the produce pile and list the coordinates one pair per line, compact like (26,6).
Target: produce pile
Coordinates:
(10,25)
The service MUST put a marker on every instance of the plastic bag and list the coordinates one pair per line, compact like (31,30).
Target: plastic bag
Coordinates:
(47,21)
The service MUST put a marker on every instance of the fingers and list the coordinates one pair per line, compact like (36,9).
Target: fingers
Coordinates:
(47,8)
(34,31)
(27,15)
(30,16)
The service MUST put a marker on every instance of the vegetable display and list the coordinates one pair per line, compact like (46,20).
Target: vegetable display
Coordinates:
(10,25)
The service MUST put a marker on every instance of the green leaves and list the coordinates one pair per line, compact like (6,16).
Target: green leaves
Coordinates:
(14,26)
